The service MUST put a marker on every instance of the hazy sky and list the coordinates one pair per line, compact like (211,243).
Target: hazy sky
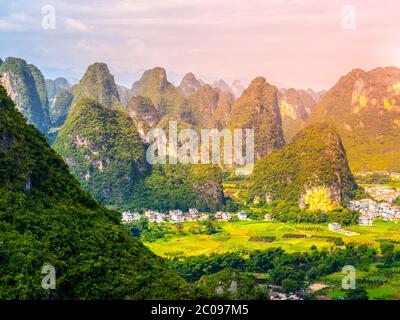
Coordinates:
(298,43)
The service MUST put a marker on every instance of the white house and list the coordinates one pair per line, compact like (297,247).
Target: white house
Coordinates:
(334,226)
(226,216)
(151,215)
(242,215)
(128,216)
(160,217)
(365,220)
(176,216)
(136,216)
(193,211)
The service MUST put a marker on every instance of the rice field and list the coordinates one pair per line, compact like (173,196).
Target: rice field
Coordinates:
(239,236)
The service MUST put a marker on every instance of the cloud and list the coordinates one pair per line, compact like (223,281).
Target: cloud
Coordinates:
(73,25)
(289,41)
(18,22)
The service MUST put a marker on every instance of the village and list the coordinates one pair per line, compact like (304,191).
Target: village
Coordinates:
(175,216)
(380,207)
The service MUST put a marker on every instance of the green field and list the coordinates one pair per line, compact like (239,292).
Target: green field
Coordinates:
(236,236)
(389,289)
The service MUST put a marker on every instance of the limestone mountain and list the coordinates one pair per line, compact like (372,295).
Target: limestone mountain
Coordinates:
(59,95)
(53,87)
(60,107)
(311,171)
(237,89)
(365,109)
(40,85)
(103,150)
(295,106)
(123,93)
(221,116)
(258,109)
(143,113)
(98,84)
(316,95)
(46,219)
(222,86)
(153,84)
(25,85)
(189,84)
(201,106)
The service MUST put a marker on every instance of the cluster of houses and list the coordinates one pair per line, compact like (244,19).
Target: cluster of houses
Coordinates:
(180,216)
(371,210)
(382,193)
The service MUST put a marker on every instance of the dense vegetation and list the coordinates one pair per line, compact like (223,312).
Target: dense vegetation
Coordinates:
(290,271)
(98,84)
(45,218)
(311,171)
(258,109)
(105,152)
(363,107)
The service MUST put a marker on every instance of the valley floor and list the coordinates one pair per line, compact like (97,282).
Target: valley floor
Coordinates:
(253,235)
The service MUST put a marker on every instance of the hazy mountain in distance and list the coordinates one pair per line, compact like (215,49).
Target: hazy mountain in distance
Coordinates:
(123,93)
(222,85)
(316,95)
(237,88)
(189,84)
(295,107)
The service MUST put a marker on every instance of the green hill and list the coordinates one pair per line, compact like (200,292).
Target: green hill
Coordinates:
(103,150)
(311,171)
(46,219)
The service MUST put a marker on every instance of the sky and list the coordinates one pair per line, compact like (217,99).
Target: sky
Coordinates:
(292,43)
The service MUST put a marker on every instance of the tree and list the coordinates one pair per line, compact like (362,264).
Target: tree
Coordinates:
(357,294)
(290,285)
(210,228)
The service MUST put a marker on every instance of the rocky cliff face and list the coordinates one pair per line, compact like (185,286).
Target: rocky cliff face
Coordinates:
(59,95)
(98,84)
(258,109)
(25,85)
(295,106)
(365,109)
(311,171)
(123,93)
(143,113)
